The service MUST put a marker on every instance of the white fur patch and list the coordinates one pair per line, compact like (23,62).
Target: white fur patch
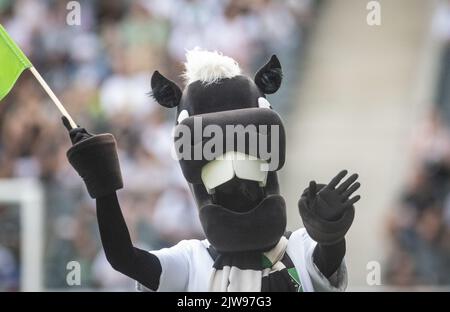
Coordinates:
(263,103)
(182,116)
(208,67)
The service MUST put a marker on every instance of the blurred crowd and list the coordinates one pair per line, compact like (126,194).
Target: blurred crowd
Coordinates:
(420,228)
(101,71)
(441,32)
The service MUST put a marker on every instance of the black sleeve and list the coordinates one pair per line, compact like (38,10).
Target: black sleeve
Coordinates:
(136,263)
(328,258)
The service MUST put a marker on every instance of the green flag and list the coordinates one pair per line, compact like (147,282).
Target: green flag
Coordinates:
(12,62)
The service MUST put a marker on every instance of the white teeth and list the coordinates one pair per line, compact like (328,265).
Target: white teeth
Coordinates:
(250,169)
(216,173)
(231,164)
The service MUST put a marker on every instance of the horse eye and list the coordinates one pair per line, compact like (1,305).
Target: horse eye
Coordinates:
(263,103)
(183,115)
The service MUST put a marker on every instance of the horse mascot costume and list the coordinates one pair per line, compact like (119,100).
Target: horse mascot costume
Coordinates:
(235,188)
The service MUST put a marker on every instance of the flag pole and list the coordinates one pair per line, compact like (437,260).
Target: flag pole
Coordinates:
(53,96)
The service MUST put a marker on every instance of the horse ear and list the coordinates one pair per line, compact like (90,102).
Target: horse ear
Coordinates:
(268,78)
(165,91)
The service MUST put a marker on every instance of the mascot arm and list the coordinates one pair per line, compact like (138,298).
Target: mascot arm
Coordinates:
(95,159)
(328,258)
(136,263)
(327,212)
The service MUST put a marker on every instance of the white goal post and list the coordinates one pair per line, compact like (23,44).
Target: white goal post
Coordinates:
(28,195)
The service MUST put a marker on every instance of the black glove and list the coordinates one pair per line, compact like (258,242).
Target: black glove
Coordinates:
(95,159)
(328,214)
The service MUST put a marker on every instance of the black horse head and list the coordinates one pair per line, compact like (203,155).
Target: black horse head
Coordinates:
(232,144)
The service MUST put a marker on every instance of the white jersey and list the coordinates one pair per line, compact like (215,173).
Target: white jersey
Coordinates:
(188,266)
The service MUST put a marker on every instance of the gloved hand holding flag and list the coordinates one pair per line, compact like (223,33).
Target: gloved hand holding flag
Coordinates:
(12,63)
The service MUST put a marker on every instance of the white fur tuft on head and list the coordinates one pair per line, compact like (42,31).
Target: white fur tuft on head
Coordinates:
(208,67)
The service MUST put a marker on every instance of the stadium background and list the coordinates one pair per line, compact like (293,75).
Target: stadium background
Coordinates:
(372,99)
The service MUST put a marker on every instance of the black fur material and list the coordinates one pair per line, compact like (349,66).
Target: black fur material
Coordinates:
(323,229)
(136,263)
(256,230)
(165,91)
(269,77)
(225,95)
(96,161)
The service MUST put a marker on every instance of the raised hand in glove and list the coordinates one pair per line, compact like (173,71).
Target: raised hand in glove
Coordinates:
(95,159)
(327,210)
